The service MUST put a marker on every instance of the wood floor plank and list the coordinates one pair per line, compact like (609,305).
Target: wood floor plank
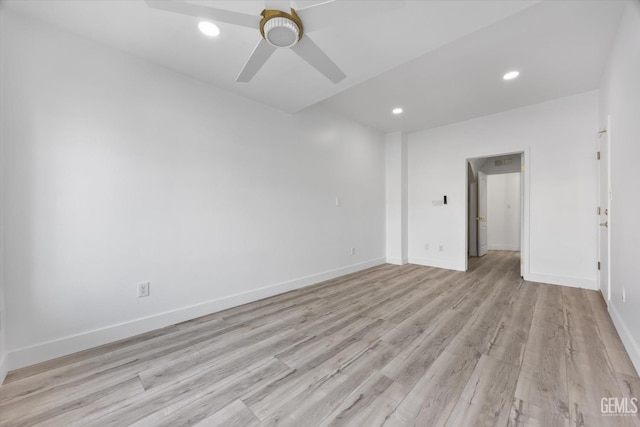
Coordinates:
(59,396)
(621,362)
(279,393)
(590,376)
(162,405)
(236,414)
(223,364)
(508,341)
(135,356)
(488,395)
(326,291)
(548,307)
(366,297)
(372,331)
(359,401)
(606,328)
(477,331)
(82,356)
(526,414)
(379,410)
(206,404)
(86,406)
(543,375)
(436,393)
(318,400)
(390,345)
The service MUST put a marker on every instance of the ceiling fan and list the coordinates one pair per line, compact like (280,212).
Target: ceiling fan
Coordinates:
(282,26)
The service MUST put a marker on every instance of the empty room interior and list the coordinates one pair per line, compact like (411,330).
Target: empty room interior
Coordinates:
(319,213)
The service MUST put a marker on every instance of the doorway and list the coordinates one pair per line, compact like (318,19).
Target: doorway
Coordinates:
(497,203)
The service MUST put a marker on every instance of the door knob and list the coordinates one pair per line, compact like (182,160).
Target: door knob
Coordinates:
(604,224)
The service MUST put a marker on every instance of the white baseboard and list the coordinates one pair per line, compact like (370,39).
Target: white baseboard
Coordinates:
(572,282)
(61,347)
(629,342)
(438,263)
(397,261)
(4,369)
(503,248)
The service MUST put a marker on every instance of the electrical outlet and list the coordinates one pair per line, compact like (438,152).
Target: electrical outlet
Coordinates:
(338,202)
(441,249)
(624,295)
(426,246)
(144,289)
(353,251)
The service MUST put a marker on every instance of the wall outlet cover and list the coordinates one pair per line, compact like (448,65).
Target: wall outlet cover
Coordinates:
(144,289)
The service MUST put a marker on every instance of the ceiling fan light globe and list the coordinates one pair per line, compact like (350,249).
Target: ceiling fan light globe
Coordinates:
(281,32)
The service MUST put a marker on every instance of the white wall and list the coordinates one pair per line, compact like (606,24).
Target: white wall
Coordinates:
(620,98)
(503,212)
(117,171)
(562,195)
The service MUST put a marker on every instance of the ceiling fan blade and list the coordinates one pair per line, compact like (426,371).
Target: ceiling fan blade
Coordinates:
(260,54)
(283,5)
(310,52)
(336,12)
(199,11)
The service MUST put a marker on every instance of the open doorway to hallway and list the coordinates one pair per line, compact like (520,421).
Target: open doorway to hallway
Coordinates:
(495,204)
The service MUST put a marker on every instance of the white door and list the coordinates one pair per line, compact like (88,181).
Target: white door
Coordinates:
(482,213)
(604,219)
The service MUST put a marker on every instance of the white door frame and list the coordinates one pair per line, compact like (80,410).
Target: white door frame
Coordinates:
(606,293)
(525,241)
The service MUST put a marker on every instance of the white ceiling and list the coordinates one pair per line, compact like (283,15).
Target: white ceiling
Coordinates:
(560,49)
(440,60)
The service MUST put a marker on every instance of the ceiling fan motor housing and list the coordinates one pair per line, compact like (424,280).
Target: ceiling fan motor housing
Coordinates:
(281,29)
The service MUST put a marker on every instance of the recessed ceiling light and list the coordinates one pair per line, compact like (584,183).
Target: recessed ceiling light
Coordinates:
(397,110)
(511,75)
(209,29)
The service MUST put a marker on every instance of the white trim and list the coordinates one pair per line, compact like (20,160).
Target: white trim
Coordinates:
(503,248)
(63,346)
(4,369)
(397,261)
(609,264)
(438,263)
(573,282)
(630,344)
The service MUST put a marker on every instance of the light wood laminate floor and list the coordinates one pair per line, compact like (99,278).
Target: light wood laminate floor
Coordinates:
(391,345)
